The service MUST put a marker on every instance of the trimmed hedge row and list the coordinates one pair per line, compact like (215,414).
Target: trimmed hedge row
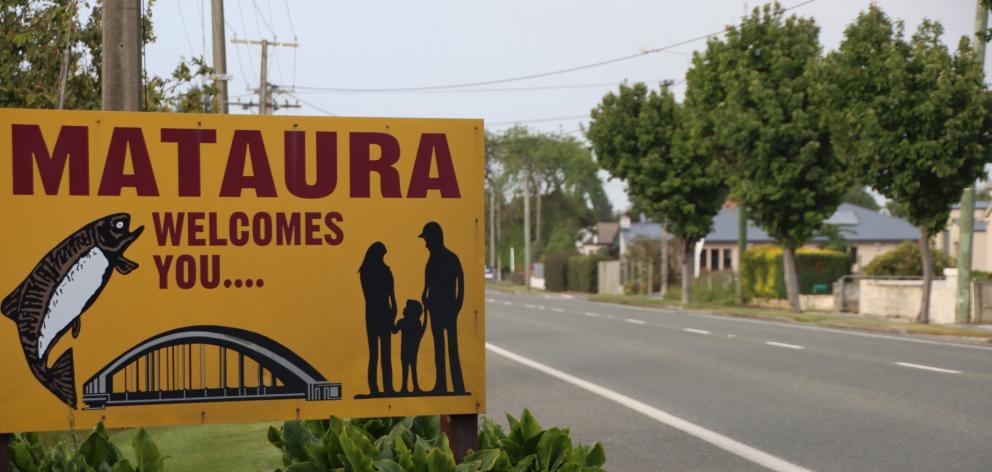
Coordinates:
(564,271)
(763,270)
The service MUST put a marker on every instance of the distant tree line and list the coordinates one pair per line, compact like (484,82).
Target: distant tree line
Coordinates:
(789,132)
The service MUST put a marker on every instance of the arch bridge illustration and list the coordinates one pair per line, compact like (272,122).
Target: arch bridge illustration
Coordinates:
(206,364)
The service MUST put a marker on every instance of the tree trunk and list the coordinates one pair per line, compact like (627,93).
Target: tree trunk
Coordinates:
(496,229)
(791,280)
(687,263)
(927,276)
(664,263)
(741,248)
(537,225)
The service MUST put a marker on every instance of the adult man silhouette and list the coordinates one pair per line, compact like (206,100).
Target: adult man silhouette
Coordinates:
(444,292)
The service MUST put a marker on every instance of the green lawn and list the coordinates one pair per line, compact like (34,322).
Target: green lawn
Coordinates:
(208,448)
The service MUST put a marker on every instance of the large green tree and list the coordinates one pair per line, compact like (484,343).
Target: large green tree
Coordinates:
(783,169)
(643,138)
(34,36)
(912,119)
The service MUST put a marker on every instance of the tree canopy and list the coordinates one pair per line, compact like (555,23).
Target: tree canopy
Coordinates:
(35,35)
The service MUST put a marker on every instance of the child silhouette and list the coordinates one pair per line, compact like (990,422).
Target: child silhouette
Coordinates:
(412,331)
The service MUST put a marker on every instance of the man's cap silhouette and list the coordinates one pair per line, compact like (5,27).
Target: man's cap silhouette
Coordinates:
(432,230)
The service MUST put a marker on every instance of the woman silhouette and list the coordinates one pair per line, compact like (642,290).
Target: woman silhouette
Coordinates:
(380,313)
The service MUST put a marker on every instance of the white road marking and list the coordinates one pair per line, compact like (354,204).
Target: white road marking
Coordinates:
(528,305)
(926,367)
(491,300)
(788,346)
(609,317)
(789,325)
(723,442)
(594,315)
(729,336)
(697,331)
(631,320)
(559,310)
(507,303)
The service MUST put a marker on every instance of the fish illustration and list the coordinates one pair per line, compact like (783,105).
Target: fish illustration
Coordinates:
(64,284)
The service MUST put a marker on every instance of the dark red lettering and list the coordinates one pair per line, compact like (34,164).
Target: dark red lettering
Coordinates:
(261,228)
(185,271)
(312,228)
(189,141)
(208,278)
(163,270)
(362,166)
(114,178)
(168,227)
(215,239)
(287,229)
(72,147)
(239,236)
(245,143)
(433,146)
(194,226)
(327,164)
(337,236)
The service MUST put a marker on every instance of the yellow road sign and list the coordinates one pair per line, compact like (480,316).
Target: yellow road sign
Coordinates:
(190,268)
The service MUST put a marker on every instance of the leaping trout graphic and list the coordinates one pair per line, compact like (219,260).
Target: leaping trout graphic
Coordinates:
(60,289)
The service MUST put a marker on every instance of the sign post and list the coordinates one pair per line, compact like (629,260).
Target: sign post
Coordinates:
(168,269)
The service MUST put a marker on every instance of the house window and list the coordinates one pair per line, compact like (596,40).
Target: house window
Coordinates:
(727,262)
(714,259)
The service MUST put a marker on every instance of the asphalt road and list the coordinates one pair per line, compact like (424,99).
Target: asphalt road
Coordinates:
(669,390)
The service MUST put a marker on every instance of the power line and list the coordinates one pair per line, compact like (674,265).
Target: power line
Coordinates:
(538,120)
(304,89)
(614,60)
(311,105)
(258,14)
(244,29)
(291,26)
(182,19)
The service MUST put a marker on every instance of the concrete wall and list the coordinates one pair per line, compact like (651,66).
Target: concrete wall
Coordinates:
(609,278)
(901,298)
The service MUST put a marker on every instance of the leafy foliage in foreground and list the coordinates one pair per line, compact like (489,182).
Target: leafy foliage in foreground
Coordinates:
(416,444)
(905,260)
(95,454)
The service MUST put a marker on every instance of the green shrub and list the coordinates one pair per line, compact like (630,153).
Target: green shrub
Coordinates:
(905,260)
(713,287)
(95,454)
(415,444)
(583,273)
(556,272)
(763,270)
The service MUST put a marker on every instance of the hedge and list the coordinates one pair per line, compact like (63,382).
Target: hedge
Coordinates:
(583,273)
(905,260)
(556,272)
(763,270)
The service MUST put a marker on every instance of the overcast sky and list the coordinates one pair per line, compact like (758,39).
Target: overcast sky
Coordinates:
(381,44)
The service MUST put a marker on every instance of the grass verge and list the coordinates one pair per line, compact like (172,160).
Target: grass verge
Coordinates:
(208,448)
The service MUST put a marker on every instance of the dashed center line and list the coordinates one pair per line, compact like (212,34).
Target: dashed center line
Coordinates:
(491,300)
(694,330)
(594,315)
(558,310)
(787,346)
(632,320)
(926,367)
(528,305)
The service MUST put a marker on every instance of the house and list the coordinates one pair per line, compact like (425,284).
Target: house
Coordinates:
(981,258)
(601,239)
(870,233)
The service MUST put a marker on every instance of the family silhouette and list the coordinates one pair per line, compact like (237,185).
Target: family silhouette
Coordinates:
(440,302)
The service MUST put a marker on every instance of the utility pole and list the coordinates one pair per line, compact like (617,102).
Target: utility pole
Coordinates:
(220,55)
(962,312)
(664,262)
(741,247)
(265,104)
(492,229)
(527,230)
(121,44)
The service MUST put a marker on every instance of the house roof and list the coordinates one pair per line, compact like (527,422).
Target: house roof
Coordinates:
(606,233)
(857,223)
